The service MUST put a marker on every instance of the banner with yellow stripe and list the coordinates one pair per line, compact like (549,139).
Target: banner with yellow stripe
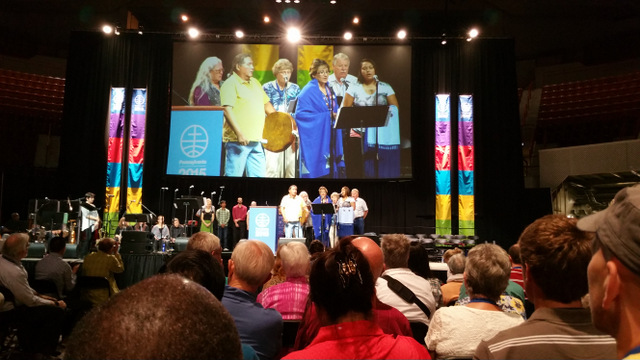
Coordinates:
(306,54)
(263,56)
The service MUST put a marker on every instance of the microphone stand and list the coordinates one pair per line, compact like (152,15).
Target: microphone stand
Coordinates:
(376,164)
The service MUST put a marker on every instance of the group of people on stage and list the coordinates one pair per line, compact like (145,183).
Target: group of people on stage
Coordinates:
(318,149)
(302,220)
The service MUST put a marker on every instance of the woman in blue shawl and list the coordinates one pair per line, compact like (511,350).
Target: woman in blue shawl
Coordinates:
(322,233)
(320,145)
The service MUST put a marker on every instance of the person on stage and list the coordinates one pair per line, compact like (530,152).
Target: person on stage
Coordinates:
(293,209)
(160,232)
(239,213)
(245,104)
(345,217)
(333,229)
(307,221)
(206,215)
(380,144)
(320,145)
(206,87)
(281,92)
(141,226)
(123,225)
(322,233)
(223,215)
(340,80)
(89,223)
(177,230)
(360,212)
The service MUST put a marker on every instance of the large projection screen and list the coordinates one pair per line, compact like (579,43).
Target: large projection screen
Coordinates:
(203,144)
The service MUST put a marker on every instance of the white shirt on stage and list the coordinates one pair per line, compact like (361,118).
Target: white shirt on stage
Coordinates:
(361,207)
(292,207)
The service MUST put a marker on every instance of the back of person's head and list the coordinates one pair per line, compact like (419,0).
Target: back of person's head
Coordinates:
(57,244)
(372,252)
(449,253)
(556,253)
(341,282)
(395,249)
(106,244)
(295,259)
(514,254)
(252,260)
(457,264)
(15,245)
(487,271)
(146,321)
(419,261)
(201,267)
(204,241)
(316,246)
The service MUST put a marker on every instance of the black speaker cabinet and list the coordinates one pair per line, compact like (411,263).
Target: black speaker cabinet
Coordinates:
(181,244)
(135,242)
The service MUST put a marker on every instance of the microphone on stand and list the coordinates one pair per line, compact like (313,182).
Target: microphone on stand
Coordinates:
(202,193)
(69,203)
(164,188)
(191,187)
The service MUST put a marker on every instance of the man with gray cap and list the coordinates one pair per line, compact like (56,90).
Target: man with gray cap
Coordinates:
(614,270)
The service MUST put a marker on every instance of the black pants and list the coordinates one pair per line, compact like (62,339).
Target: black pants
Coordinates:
(240,231)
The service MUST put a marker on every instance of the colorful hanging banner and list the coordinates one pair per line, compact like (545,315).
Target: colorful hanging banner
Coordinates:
(114,157)
(306,54)
(136,150)
(263,56)
(466,208)
(443,164)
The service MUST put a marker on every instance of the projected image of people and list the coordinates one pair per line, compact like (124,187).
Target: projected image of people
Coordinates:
(320,145)
(381,146)
(281,93)
(206,87)
(245,104)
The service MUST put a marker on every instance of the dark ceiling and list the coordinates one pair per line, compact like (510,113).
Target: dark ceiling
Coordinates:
(544,30)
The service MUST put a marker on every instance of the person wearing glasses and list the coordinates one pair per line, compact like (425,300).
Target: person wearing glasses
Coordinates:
(320,145)
(206,88)
(245,104)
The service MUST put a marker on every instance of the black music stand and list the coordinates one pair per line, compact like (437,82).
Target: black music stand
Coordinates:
(323,209)
(137,218)
(363,117)
(187,203)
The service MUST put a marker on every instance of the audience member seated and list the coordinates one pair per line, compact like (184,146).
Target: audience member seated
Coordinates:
(389,319)
(14,224)
(342,289)
(419,264)
(614,270)
(277,272)
(315,249)
(206,242)
(512,299)
(202,268)
(53,268)
(290,297)
(258,327)
(556,255)
(158,318)
(516,265)
(103,263)
(38,317)
(456,331)
(451,290)
(395,250)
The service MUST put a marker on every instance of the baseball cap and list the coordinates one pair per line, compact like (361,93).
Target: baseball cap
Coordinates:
(618,227)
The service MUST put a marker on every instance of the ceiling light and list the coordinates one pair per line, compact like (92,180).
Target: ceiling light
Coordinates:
(193,32)
(348,35)
(333,2)
(140,28)
(293,35)
(107,29)
(184,18)
(356,20)
(473,33)
(278,1)
(239,34)
(296,1)
(266,19)
(402,34)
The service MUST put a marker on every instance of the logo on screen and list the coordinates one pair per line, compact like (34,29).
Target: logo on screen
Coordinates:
(262,220)
(194,141)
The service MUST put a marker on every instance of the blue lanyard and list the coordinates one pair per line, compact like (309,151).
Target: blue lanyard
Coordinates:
(483,300)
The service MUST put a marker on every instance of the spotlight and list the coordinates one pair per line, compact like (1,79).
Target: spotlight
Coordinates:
(296,1)
(333,2)
(278,1)
(266,19)
(107,29)
(348,35)
(140,28)
(356,20)
(184,18)
(293,35)
(116,31)
(473,33)
(287,1)
(402,34)
(239,34)
(193,32)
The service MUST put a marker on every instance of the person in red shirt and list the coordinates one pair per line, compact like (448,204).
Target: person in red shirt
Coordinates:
(239,214)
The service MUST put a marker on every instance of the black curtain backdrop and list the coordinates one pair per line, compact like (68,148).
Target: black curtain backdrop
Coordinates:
(484,68)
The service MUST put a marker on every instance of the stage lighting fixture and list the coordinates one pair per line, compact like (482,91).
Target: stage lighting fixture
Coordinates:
(296,1)
(184,18)
(116,31)
(278,1)
(348,35)
(293,35)
(140,29)
(473,33)
(239,34)
(333,2)
(107,29)
(287,1)
(266,19)
(356,20)
(402,34)
(193,32)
